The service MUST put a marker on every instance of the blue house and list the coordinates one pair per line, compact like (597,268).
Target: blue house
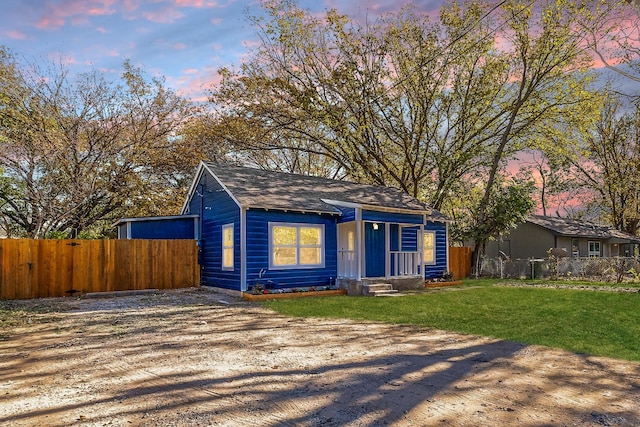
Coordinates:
(283,230)
(159,227)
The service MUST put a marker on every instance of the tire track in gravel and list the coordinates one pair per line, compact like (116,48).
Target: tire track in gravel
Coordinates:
(172,391)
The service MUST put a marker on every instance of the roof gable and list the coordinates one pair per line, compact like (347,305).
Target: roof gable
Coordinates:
(255,188)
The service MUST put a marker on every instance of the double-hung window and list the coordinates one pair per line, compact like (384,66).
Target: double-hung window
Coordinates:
(227,247)
(429,247)
(296,245)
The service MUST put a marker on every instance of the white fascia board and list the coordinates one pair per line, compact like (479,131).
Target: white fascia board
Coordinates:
(394,210)
(312,211)
(224,187)
(375,208)
(201,168)
(192,189)
(151,218)
(341,204)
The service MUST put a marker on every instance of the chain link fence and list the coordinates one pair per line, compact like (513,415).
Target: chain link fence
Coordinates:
(616,269)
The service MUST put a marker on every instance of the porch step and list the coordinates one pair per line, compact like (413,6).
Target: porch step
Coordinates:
(379,290)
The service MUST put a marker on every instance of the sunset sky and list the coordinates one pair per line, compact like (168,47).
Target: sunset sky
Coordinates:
(184,40)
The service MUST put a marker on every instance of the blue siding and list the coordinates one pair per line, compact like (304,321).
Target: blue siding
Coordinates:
(347,214)
(392,217)
(434,271)
(410,238)
(216,208)
(394,237)
(174,228)
(258,251)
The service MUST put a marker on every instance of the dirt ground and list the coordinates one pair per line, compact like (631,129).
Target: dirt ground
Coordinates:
(198,358)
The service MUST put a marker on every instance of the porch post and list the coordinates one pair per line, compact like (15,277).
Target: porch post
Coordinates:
(421,250)
(446,237)
(359,246)
(387,250)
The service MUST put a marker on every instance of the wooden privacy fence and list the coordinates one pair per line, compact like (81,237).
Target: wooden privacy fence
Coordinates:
(460,261)
(54,268)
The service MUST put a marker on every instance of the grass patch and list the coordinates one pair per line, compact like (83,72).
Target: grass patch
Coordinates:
(598,323)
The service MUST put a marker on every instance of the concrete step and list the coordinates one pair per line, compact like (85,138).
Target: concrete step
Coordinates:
(378,289)
(385,293)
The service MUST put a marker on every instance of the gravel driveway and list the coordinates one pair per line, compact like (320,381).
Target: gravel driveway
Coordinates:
(195,357)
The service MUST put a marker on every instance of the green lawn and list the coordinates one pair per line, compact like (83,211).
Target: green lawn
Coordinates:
(598,323)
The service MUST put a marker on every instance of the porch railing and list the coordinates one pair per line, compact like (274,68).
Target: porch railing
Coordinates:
(402,263)
(405,263)
(347,266)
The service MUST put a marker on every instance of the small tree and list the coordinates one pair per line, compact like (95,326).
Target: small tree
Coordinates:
(509,205)
(77,151)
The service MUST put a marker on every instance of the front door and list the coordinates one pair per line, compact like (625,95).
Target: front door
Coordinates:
(347,259)
(374,249)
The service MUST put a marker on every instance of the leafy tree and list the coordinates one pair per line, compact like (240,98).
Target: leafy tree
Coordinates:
(390,103)
(608,166)
(75,152)
(612,31)
(548,91)
(510,203)
(555,187)
(426,107)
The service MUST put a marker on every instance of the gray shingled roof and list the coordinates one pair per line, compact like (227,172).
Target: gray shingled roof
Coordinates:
(255,188)
(580,228)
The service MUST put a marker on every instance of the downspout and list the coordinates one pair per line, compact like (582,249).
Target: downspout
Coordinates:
(359,244)
(243,249)
(200,246)
(446,244)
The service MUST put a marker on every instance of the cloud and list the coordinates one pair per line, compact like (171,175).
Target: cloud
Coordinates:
(56,14)
(49,23)
(194,83)
(179,46)
(163,16)
(196,3)
(17,34)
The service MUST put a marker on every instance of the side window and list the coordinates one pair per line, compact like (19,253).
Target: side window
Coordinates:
(429,247)
(227,247)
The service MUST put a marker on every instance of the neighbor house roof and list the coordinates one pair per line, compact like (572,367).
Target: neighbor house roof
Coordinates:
(580,228)
(256,188)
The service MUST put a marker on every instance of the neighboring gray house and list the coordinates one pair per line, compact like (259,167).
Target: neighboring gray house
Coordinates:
(578,238)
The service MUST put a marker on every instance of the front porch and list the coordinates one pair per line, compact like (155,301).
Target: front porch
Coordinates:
(356,287)
(371,252)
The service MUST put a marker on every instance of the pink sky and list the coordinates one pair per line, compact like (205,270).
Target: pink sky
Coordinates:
(184,40)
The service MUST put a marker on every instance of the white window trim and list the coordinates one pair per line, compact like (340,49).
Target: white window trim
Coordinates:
(232,247)
(297,226)
(435,260)
(593,254)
